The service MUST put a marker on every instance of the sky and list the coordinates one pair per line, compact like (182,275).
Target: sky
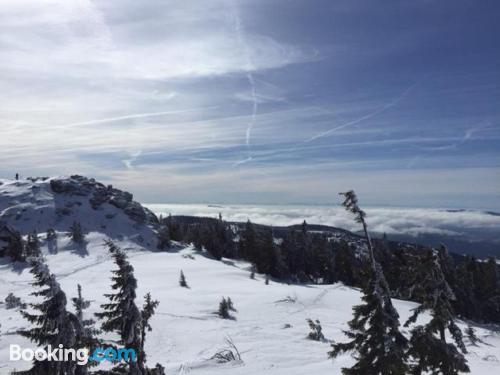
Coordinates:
(257,101)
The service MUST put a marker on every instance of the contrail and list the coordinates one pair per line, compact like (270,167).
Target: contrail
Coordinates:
(354,122)
(251,81)
(467,135)
(133,157)
(129,117)
(254,108)
(366,117)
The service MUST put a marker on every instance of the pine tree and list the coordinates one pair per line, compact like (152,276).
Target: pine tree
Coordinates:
(248,242)
(51,234)
(266,250)
(471,335)
(54,325)
(147,312)
(32,249)
(174,228)
(76,233)
(428,346)
(182,280)
(16,248)
(374,330)
(223,311)
(87,336)
(252,272)
(316,333)
(121,314)
(230,305)
(164,238)
(225,306)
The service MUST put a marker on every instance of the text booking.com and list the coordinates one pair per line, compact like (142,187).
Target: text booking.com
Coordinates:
(80,356)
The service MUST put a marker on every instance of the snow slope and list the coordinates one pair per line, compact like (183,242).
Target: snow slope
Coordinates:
(186,332)
(43,203)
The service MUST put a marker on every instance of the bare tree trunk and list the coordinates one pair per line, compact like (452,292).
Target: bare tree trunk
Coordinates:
(369,242)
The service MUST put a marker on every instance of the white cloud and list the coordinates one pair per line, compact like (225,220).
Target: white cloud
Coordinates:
(413,221)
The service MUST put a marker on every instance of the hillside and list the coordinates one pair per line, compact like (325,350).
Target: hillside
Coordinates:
(270,328)
(186,332)
(42,203)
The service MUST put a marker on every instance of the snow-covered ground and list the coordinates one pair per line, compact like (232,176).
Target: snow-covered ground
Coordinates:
(186,332)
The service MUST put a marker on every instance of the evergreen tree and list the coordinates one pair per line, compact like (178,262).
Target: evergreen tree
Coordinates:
(32,249)
(252,272)
(265,252)
(471,335)
(53,324)
(225,306)
(87,336)
(428,346)
(147,312)
(316,333)
(374,330)
(76,233)
(121,314)
(164,238)
(16,248)
(182,280)
(248,242)
(174,228)
(223,311)
(230,305)
(51,234)
(374,333)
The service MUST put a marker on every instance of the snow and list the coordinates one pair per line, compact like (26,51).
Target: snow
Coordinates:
(32,205)
(186,332)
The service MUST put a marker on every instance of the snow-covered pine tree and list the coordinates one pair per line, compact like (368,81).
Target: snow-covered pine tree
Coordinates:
(53,324)
(230,305)
(147,312)
(32,245)
(87,336)
(428,346)
(174,228)
(252,272)
(248,242)
(16,248)
(223,311)
(471,335)
(225,306)
(182,280)
(51,234)
(121,314)
(316,333)
(76,233)
(374,331)
(164,238)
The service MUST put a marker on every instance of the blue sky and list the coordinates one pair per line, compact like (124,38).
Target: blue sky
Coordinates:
(257,101)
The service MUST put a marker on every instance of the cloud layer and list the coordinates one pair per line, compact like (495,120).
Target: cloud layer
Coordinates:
(411,221)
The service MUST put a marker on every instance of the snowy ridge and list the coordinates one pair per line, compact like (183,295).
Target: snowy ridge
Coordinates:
(43,203)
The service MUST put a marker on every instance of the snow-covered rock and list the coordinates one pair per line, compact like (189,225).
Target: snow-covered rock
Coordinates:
(37,204)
